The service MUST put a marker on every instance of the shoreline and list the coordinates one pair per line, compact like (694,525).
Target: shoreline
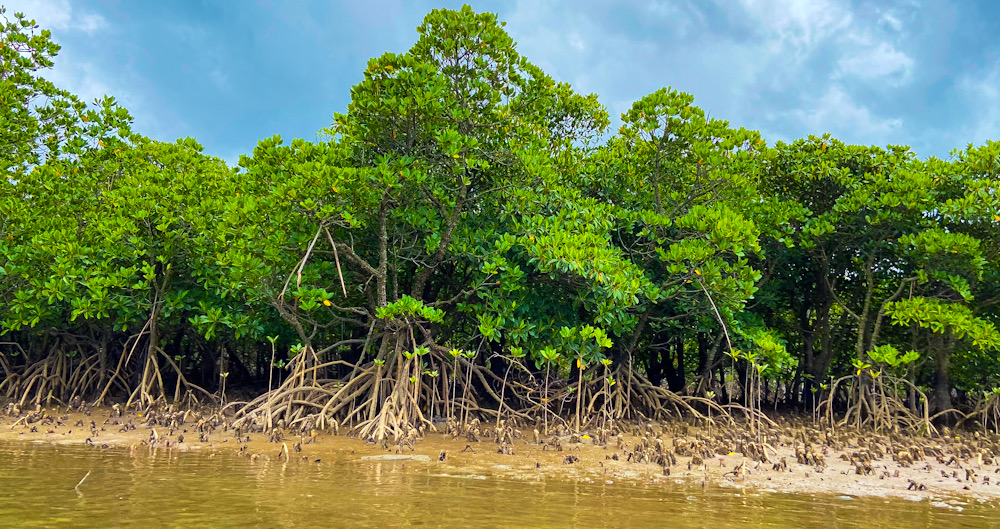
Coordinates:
(850,471)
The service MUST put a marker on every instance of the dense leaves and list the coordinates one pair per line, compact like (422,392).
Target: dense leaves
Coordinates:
(466,202)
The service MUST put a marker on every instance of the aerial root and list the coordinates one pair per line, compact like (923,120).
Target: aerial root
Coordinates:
(874,402)
(387,397)
(58,378)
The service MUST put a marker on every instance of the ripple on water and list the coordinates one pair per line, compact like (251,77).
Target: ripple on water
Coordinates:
(187,490)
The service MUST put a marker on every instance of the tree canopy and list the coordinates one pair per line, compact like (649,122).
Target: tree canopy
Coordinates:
(470,238)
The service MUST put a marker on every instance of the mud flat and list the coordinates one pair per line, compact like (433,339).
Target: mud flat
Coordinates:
(951,470)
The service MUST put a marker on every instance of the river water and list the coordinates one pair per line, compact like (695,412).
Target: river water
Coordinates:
(194,490)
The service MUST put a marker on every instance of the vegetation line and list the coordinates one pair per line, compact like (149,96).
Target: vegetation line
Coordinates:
(511,260)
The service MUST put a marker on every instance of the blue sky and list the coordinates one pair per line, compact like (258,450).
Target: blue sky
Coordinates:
(232,72)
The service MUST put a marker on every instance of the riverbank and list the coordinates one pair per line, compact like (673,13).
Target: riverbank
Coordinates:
(949,470)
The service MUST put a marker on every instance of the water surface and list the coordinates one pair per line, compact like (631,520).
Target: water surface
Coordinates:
(193,490)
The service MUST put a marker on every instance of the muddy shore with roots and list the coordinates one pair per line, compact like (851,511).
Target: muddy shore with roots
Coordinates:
(953,468)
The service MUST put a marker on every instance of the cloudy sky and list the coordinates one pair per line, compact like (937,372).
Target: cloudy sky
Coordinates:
(229,73)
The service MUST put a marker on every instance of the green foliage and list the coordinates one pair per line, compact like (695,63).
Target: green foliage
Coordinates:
(467,194)
(942,317)
(892,357)
(409,307)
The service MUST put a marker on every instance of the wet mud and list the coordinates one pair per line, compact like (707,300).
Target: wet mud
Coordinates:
(956,467)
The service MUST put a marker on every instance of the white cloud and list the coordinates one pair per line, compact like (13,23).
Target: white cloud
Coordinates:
(57,15)
(800,24)
(824,47)
(981,92)
(797,28)
(79,73)
(838,113)
(793,48)
(623,66)
(880,61)
(683,17)
(89,81)
(80,78)
(892,22)
(786,67)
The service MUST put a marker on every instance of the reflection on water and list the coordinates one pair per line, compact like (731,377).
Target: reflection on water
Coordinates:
(193,490)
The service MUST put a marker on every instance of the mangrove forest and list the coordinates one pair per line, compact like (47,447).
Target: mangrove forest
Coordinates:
(473,240)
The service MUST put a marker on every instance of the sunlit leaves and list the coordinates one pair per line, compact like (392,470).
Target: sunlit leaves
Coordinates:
(940,317)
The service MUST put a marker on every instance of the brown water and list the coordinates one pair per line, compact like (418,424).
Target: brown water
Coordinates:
(193,490)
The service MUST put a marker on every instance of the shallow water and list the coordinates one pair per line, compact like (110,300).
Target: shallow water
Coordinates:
(193,490)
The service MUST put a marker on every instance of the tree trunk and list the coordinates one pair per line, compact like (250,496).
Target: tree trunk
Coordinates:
(677,379)
(658,368)
(942,361)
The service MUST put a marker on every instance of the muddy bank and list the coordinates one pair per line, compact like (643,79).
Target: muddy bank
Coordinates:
(954,469)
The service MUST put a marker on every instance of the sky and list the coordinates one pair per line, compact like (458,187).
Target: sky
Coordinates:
(230,73)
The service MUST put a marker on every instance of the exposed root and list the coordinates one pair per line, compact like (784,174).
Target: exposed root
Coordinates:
(875,402)
(401,390)
(59,377)
(986,410)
